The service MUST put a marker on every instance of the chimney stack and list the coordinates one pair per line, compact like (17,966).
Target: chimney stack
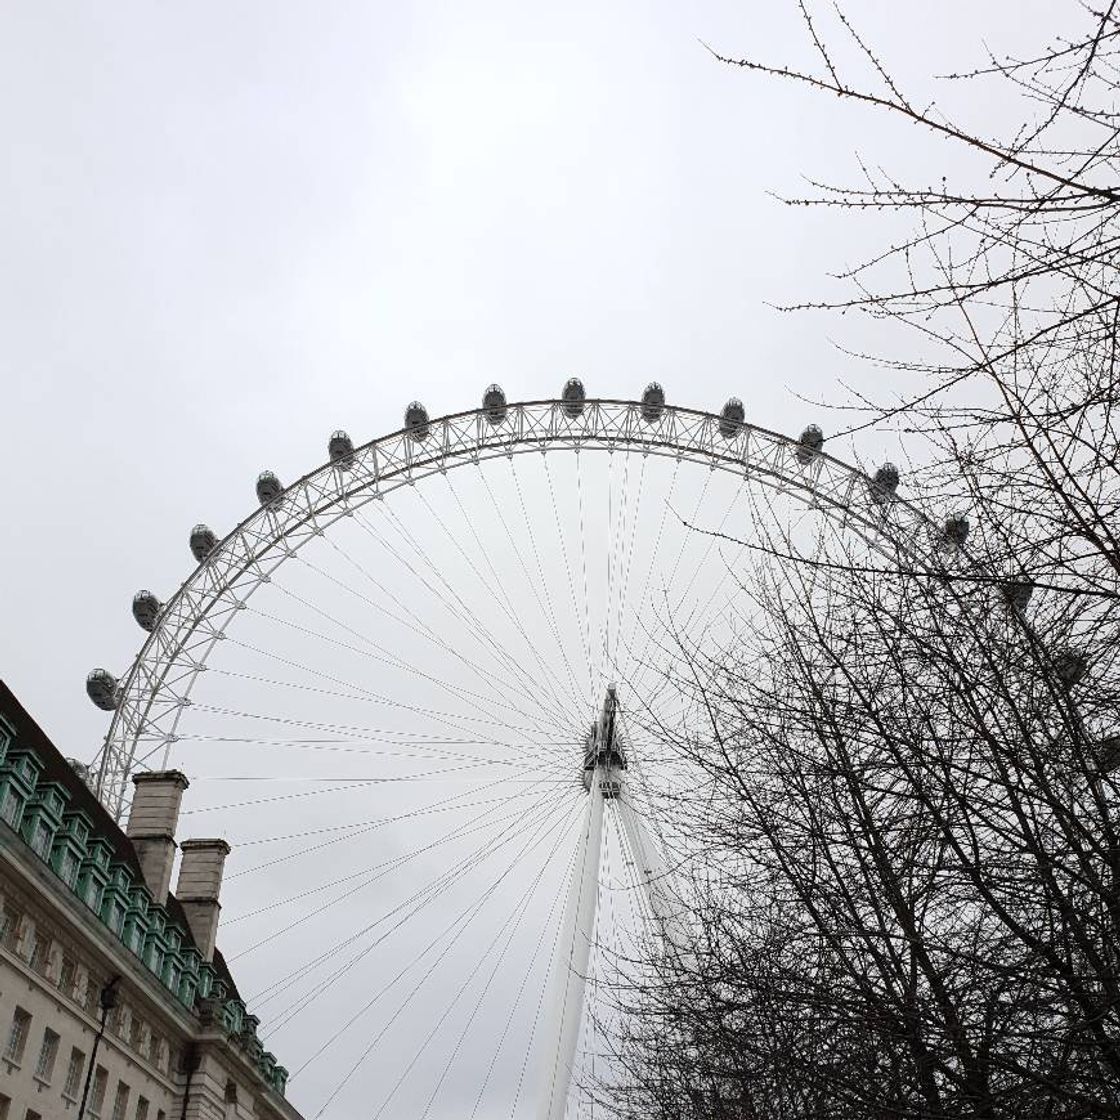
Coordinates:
(151,826)
(200,883)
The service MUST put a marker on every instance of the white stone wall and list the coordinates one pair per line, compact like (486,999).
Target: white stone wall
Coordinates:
(53,966)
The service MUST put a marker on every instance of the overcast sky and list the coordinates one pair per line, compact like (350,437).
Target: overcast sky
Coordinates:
(226,230)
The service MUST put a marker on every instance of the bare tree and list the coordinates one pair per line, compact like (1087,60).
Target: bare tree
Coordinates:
(908,902)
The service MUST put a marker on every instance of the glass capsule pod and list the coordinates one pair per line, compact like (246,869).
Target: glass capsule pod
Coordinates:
(416,421)
(203,542)
(340,448)
(653,402)
(731,418)
(494,404)
(101,688)
(809,444)
(1018,594)
(145,609)
(268,488)
(573,396)
(954,532)
(1070,666)
(883,483)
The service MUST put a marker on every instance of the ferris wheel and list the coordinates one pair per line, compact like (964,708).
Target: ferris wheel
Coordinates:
(418,689)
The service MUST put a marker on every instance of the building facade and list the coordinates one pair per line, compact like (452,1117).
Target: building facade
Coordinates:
(115,1003)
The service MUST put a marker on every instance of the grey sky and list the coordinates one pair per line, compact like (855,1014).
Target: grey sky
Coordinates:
(226,230)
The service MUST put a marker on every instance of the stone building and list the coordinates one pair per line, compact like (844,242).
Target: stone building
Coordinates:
(111,987)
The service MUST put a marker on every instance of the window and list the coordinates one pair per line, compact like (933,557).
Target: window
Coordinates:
(11,807)
(93,894)
(136,1032)
(9,926)
(48,1052)
(41,837)
(120,1101)
(40,953)
(155,958)
(161,1115)
(74,1074)
(68,867)
(142,1109)
(97,1094)
(5,1104)
(114,918)
(32,1115)
(17,1037)
(66,976)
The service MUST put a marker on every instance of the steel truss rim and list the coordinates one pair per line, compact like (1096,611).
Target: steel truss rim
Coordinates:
(181,641)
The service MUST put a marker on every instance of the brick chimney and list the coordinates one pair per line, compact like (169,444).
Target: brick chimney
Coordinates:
(198,888)
(151,826)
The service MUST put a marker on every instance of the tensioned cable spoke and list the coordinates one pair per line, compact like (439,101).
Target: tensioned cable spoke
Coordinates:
(502,595)
(546,584)
(568,572)
(422,630)
(454,802)
(419,900)
(514,926)
(549,923)
(473,911)
(344,733)
(372,875)
(383,657)
(654,555)
(449,719)
(462,919)
(676,564)
(477,628)
(583,564)
(497,596)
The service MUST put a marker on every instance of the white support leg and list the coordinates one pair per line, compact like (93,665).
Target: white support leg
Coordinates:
(652,874)
(573,953)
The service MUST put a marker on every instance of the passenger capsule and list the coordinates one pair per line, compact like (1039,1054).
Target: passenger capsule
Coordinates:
(1017,593)
(203,542)
(954,532)
(416,421)
(82,770)
(494,404)
(145,609)
(809,444)
(1070,666)
(268,488)
(731,418)
(101,688)
(653,402)
(884,483)
(573,397)
(1108,754)
(341,450)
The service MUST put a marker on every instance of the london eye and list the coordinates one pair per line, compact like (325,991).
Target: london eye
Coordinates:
(419,689)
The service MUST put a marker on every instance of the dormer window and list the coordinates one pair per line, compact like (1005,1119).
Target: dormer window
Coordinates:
(68,865)
(41,836)
(114,916)
(174,975)
(93,894)
(11,807)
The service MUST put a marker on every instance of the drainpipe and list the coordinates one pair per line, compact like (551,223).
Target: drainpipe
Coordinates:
(191,1062)
(107,1000)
